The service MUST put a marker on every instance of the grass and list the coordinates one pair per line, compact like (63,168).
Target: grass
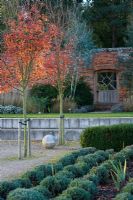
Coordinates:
(70,115)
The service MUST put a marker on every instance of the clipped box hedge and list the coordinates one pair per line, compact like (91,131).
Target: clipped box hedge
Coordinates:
(105,137)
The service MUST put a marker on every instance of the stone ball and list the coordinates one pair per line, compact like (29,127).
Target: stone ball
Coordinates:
(49,141)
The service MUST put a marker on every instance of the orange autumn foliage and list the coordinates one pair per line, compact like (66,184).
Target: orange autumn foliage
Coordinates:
(33,52)
(28,37)
(58,64)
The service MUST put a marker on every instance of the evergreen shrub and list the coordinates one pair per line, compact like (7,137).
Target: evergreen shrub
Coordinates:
(87,185)
(77,193)
(124,196)
(55,184)
(105,137)
(25,194)
(35,176)
(6,187)
(44,191)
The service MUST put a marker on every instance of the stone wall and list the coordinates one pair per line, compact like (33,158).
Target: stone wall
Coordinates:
(41,127)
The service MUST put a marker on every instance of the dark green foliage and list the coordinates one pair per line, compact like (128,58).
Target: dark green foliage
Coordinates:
(76,170)
(110,151)
(83,94)
(89,159)
(93,159)
(108,18)
(43,95)
(6,187)
(87,185)
(128,151)
(1,198)
(127,75)
(51,169)
(101,156)
(77,193)
(105,137)
(63,173)
(57,167)
(102,153)
(124,196)
(63,197)
(103,174)
(34,176)
(49,182)
(71,158)
(67,160)
(43,168)
(43,190)
(25,194)
(92,177)
(119,157)
(86,150)
(130,33)
(44,91)
(83,166)
(55,184)
(107,165)
(128,188)
(22,183)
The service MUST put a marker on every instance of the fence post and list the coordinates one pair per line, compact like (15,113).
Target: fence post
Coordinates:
(29,139)
(19,140)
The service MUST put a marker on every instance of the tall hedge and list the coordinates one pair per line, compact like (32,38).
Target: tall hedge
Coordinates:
(105,137)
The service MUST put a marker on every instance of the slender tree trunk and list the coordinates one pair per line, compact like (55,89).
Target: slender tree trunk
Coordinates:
(19,140)
(61,131)
(25,124)
(29,139)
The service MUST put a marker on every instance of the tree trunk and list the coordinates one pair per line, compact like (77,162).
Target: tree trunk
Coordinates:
(19,140)
(25,123)
(61,131)
(29,139)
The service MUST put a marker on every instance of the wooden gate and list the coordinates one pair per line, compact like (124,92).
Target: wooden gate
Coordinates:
(109,96)
(107,87)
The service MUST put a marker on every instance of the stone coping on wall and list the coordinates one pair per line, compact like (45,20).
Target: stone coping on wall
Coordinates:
(43,126)
(70,123)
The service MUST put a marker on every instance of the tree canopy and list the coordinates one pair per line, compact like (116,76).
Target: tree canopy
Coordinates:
(109,20)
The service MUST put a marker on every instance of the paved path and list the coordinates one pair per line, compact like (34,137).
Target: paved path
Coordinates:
(11,167)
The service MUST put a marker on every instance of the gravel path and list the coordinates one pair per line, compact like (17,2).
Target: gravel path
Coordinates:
(11,167)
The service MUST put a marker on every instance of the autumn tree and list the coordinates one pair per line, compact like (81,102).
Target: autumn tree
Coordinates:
(60,57)
(27,38)
(65,49)
(82,46)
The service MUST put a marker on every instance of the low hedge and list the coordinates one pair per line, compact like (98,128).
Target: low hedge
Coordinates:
(77,193)
(105,137)
(35,176)
(78,170)
(101,174)
(124,196)
(25,194)
(126,193)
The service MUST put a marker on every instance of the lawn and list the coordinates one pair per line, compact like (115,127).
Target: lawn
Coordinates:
(70,115)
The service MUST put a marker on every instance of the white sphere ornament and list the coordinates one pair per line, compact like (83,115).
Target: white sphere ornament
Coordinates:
(49,141)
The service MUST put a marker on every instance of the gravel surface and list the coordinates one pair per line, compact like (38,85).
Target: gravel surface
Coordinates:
(11,167)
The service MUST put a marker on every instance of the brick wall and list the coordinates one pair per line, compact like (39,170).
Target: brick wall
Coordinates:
(106,60)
